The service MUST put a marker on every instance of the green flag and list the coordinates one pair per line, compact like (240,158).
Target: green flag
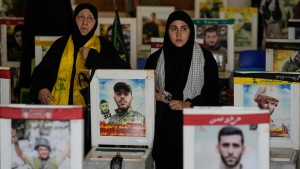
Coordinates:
(118,39)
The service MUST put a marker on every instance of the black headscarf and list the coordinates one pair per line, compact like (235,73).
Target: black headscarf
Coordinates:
(78,39)
(177,59)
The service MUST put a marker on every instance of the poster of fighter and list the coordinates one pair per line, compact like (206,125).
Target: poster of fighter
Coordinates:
(208,8)
(245,33)
(218,36)
(283,55)
(226,138)
(276,92)
(123,106)
(41,137)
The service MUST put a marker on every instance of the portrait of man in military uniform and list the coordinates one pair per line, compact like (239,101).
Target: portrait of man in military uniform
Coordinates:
(291,64)
(124,113)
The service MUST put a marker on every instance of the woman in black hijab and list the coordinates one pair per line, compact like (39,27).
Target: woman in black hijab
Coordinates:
(88,51)
(55,80)
(187,76)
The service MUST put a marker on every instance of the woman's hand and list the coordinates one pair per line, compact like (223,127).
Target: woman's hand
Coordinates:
(159,96)
(178,104)
(84,51)
(45,96)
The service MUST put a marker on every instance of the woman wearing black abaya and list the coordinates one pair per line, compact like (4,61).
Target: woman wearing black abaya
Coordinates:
(187,76)
(55,80)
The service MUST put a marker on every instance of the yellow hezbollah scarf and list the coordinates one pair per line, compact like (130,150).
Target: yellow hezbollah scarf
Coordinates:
(61,88)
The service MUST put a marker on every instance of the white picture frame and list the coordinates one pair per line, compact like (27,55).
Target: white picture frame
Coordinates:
(130,38)
(293,27)
(143,16)
(284,87)
(7,40)
(42,45)
(5,86)
(142,87)
(228,39)
(202,4)
(278,54)
(202,125)
(36,115)
(245,18)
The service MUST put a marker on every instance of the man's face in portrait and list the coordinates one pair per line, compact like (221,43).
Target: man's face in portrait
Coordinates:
(104,107)
(123,99)
(43,152)
(25,115)
(211,38)
(267,104)
(48,115)
(231,149)
(238,21)
(297,60)
(18,37)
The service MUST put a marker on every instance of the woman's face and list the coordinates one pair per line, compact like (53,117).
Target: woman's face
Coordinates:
(85,21)
(179,33)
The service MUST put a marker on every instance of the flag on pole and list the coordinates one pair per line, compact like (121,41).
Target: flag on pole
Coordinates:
(118,38)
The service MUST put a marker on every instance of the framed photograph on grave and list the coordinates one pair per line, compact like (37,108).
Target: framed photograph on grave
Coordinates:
(207,29)
(11,38)
(277,92)
(293,27)
(151,22)
(5,87)
(208,8)
(209,132)
(36,132)
(282,55)
(42,45)
(245,32)
(108,125)
(129,31)
(220,58)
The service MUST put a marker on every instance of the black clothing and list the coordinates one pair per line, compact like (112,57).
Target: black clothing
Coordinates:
(42,18)
(168,140)
(44,75)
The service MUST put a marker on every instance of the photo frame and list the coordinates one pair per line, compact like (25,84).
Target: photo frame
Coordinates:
(129,28)
(145,26)
(33,129)
(220,58)
(5,87)
(282,88)
(10,50)
(293,27)
(42,45)
(208,8)
(204,128)
(107,129)
(280,52)
(225,42)
(245,32)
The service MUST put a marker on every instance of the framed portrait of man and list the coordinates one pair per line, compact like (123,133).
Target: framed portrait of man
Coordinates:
(151,22)
(216,137)
(41,46)
(123,107)
(245,33)
(208,8)
(41,136)
(217,35)
(129,32)
(293,27)
(282,55)
(277,92)
(11,34)
(5,76)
